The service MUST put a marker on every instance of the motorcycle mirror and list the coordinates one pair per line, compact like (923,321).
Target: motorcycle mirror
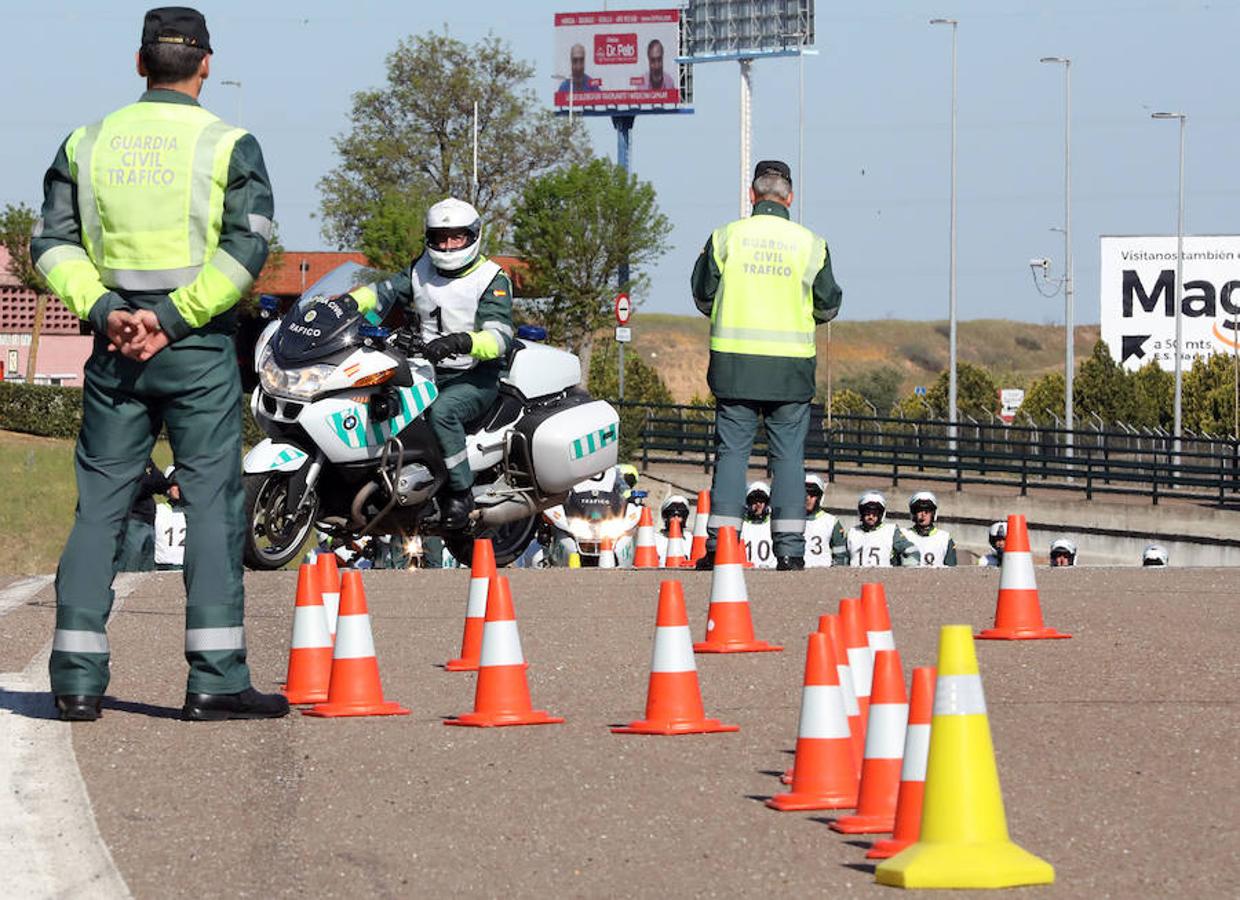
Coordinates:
(532,333)
(372,334)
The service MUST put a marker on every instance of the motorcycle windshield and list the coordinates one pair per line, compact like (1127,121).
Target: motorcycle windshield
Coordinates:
(594,506)
(340,280)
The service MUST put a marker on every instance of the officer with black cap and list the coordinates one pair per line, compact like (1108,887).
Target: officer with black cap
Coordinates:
(765,282)
(156,221)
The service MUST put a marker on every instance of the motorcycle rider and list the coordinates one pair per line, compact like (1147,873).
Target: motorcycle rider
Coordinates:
(674,507)
(756,526)
(936,545)
(463,302)
(997,537)
(874,542)
(1154,555)
(825,541)
(1063,553)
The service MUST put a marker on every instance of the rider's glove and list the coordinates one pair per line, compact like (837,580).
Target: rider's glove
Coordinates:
(449,345)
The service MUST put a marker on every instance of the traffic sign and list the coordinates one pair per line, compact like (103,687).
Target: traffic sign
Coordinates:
(623,334)
(624,309)
(920,390)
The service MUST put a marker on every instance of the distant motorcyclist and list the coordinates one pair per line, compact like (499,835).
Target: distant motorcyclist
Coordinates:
(936,545)
(1155,555)
(756,526)
(674,507)
(997,536)
(1063,553)
(875,542)
(463,302)
(825,541)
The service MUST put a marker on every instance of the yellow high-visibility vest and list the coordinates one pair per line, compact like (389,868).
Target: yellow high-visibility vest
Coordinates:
(765,303)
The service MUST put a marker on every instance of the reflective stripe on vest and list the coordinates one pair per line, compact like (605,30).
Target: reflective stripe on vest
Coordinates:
(151,180)
(765,304)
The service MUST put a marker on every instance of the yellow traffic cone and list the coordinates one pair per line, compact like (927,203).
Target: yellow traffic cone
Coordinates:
(574,560)
(964,839)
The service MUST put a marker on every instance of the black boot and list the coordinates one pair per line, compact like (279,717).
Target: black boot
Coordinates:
(78,707)
(789,563)
(706,563)
(455,508)
(247,704)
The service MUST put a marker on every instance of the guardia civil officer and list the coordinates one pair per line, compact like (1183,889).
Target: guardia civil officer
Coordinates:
(935,544)
(765,282)
(464,303)
(156,220)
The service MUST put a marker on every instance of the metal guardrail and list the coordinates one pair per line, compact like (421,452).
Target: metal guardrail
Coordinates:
(1119,459)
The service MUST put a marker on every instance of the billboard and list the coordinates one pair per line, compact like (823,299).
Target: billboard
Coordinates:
(744,29)
(1138,297)
(621,58)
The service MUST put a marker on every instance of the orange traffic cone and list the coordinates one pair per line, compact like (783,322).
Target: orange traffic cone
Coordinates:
(700,518)
(482,570)
(673,699)
(729,627)
(607,554)
(310,656)
(824,775)
(675,556)
(913,771)
(503,695)
(884,751)
(830,626)
(1018,616)
(646,556)
(875,618)
(355,688)
(329,585)
(860,656)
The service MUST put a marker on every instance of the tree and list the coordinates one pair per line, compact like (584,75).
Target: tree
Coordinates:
(880,386)
(1044,399)
(1150,393)
(849,403)
(574,227)
(1209,394)
(642,385)
(977,395)
(410,143)
(1100,386)
(911,406)
(16,224)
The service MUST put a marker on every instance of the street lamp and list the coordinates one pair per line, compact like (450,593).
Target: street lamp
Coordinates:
(237,84)
(1179,280)
(1068,287)
(951,301)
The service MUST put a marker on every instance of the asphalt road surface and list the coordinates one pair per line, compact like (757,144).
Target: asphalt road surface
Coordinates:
(1117,750)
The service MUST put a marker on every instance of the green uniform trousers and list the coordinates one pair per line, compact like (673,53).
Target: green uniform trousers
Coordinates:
(736,424)
(462,398)
(192,387)
(137,553)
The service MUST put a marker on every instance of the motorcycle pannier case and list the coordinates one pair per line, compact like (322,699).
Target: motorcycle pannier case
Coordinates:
(567,442)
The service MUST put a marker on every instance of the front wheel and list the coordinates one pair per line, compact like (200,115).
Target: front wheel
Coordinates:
(274,532)
(509,541)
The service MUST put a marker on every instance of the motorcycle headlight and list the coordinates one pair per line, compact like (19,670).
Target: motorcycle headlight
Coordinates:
(299,384)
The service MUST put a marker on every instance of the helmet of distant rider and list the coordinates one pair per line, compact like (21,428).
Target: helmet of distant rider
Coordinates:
(629,473)
(1154,555)
(873,500)
(446,219)
(924,500)
(998,532)
(758,492)
(674,507)
(1064,547)
(815,488)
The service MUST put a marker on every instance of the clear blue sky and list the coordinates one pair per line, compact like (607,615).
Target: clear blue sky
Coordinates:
(877,138)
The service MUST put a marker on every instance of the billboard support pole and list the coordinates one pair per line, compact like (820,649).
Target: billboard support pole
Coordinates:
(746,124)
(624,143)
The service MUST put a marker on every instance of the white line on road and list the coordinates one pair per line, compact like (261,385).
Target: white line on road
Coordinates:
(20,592)
(50,845)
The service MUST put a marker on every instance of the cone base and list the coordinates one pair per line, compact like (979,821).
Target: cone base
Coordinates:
(299,698)
(461,665)
(865,824)
(1021,634)
(703,726)
(888,848)
(497,720)
(736,647)
(991,865)
(332,710)
(793,801)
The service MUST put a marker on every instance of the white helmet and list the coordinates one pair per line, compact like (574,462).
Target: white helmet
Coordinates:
(812,480)
(448,216)
(924,498)
(1154,555)
(169,470)
(873,498)
(1063,545)
(998,532)
(760,487)
(675,505)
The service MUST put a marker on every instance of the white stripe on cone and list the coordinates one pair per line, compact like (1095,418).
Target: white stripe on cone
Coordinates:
(728,585)
(607,559)
(310,628)
(959,695)
(822,713)
(884,733)
(476,605)
(501,645)
(880,640)
(331,606)
(916,753)
(699,524)
(1017,572)
(645,536)
(861,661)
(846,688)
(673,649)
(353,637)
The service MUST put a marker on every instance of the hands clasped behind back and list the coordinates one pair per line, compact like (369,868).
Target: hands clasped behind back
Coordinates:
(135,334)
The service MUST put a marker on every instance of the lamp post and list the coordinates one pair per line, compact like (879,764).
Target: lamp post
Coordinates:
(951,295)
(237,84)
(1068,273)
(1179,280)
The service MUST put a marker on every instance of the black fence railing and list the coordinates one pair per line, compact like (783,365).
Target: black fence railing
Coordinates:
(1113,460)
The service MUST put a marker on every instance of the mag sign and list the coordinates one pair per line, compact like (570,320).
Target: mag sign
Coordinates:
(622,58)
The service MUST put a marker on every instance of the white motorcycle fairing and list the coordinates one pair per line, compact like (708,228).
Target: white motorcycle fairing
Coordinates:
(269,456)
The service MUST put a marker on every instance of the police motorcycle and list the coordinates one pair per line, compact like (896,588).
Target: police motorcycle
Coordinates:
(349,450)
(599,508)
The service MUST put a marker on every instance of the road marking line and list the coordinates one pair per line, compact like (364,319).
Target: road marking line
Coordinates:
(50,845)
(20,592)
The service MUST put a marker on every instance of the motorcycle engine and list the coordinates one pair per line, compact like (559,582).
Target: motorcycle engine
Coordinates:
(413,485)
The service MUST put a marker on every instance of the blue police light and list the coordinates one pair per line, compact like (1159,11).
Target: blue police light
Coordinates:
(532,333)
(640,495)
(374,332)
(269,302)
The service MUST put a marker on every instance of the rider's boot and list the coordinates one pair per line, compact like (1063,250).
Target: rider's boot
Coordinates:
(455,508)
